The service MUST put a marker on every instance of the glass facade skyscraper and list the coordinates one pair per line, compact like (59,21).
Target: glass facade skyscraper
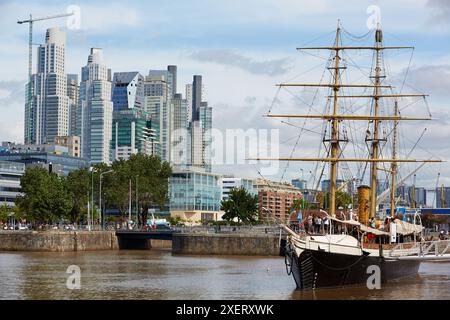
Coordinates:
(134,130)
(94,118)
(132,133)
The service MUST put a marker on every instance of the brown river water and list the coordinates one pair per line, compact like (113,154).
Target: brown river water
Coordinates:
(160,275)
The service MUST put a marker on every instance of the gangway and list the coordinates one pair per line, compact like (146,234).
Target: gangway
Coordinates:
(424,251)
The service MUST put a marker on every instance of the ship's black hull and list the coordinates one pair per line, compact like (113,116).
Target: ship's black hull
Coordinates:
(320,269)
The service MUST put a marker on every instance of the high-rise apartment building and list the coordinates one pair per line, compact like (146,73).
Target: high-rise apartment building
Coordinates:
(47,116)
(94,116)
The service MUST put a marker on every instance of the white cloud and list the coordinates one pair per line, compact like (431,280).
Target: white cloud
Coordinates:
(441,11)
(4,93)
(230,58)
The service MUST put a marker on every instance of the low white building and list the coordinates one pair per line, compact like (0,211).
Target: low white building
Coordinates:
(229,182)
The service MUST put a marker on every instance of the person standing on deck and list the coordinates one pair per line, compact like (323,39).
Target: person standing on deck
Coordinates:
(319,224)
(310,224)
(326,224)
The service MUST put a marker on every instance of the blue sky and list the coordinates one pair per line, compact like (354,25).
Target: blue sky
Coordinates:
(241,48)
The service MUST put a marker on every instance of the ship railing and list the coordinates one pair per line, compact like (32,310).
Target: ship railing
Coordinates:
(424,248)
(437,247)
(224,229)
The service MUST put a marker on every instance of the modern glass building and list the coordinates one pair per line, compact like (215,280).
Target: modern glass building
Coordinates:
(58,163)
(195,196)
(417,194)
(298,183)
(133,132)
(326,185)
(10,174)
(128,90)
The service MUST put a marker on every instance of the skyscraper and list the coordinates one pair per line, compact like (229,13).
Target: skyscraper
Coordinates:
(47,116)
(94,118)
(188,90)
(173,72)
(157,101)
(73,89)
(200,128)
(133,127)
(128,90)
(196,97)
(132,133)
(179,137)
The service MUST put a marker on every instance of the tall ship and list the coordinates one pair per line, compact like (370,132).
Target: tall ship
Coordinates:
(354,245)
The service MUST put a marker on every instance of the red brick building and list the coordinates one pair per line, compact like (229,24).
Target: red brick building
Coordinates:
(275,199)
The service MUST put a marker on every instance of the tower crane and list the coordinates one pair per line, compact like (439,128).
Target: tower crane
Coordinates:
(30,22)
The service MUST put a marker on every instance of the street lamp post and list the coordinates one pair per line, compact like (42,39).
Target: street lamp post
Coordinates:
(91,207)
(129,205)
(100,196)
(137,201)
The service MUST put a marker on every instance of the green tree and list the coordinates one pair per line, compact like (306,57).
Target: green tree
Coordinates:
(4,211)
(343,199)
(241,205)
(152,176)
(78,185)
(298,204)
(117,185)
(45,196)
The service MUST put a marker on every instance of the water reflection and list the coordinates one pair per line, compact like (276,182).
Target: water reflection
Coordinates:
(161,275)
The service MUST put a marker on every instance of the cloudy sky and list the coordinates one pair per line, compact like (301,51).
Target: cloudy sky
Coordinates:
(243,48)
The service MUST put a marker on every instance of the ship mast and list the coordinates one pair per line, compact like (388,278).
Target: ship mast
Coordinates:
(334,127)
(375,139)
(394,164)
(334,118)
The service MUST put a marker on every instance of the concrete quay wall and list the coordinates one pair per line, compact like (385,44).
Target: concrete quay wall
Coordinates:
(226,244)
(57,241)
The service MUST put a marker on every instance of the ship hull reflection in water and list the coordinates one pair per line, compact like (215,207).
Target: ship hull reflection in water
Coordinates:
(160,275)
(319,269)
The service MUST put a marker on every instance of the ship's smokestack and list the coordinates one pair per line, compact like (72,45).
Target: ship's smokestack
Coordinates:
(363,204)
